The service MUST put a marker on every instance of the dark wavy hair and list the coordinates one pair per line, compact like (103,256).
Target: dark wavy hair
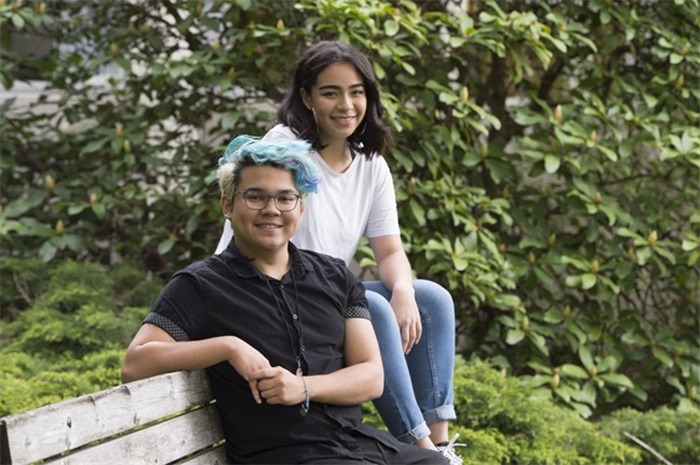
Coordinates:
(372,135)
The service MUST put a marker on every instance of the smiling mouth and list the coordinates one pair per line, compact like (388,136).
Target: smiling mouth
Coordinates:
(344,118)
(268,226)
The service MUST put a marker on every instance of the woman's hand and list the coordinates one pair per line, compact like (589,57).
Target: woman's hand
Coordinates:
(395,272)
(405,308)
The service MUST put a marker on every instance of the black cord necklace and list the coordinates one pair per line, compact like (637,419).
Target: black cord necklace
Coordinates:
(295,315)
(304,407)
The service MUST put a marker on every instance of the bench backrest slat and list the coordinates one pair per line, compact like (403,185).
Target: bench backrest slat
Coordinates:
(57,428)
(162,443)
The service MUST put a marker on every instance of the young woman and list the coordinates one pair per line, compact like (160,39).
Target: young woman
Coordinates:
(334,104)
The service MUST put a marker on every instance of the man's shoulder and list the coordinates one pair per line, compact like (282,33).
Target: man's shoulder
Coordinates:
(318,259)
(199,268)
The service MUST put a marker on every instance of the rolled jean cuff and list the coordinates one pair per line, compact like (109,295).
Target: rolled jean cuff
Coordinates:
(442,413)
(416,434)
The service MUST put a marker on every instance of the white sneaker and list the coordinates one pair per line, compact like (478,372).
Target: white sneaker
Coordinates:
(448,450)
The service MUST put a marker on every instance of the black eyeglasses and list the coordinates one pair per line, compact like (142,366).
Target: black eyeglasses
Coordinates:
(256,200)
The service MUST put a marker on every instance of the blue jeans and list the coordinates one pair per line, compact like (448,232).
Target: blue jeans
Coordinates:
(418,386)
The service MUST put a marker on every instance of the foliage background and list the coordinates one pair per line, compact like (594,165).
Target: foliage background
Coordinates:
(546,164)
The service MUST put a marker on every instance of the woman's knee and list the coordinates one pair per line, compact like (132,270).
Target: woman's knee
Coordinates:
(385,327)
(379,307)
(430,293)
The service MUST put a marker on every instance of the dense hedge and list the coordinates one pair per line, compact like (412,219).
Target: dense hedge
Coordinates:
(70,337)
(546,161)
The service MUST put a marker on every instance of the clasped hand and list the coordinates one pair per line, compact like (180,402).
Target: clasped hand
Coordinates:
(275,385)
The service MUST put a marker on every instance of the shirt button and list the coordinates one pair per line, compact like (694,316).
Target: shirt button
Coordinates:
(281,286)
(296,317)
(303,348)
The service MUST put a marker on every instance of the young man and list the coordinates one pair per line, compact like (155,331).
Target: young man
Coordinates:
(284,333)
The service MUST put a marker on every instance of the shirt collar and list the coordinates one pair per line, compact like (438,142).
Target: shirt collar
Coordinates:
(244,268)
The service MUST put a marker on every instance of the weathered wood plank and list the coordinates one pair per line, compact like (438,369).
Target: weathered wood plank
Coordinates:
(158,444)
(66,425)
(211,457)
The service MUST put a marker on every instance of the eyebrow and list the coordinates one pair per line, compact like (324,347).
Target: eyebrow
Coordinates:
(337,87)
(283,191)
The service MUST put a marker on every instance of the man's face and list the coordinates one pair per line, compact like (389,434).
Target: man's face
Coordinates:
(266,231)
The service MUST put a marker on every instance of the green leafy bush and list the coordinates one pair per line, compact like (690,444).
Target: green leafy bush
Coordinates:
(509,425)
(71,341)
(500,420)
(28,382)
(21,282)
(673,434)
(546,162)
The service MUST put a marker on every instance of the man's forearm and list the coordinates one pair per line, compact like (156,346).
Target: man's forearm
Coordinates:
(155,357)
(349,386)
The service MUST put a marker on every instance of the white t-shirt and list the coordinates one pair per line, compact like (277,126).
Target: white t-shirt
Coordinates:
(358,202)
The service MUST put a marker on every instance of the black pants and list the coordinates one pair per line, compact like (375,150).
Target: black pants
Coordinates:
(377,453)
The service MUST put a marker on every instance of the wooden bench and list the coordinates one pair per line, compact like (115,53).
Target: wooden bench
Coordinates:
(170,418)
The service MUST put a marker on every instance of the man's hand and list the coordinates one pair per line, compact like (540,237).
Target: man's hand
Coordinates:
(247,360)
(278,385)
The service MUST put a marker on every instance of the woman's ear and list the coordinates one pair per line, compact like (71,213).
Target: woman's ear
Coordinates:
(306,98)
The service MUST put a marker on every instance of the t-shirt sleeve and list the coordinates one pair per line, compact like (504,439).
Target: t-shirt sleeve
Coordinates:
(279,133)
(178,308)
(383,218)
(226,236)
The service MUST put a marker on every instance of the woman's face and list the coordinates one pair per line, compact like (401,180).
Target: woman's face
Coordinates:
(339,101)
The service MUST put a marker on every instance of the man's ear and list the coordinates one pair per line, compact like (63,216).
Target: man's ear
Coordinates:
(226,206)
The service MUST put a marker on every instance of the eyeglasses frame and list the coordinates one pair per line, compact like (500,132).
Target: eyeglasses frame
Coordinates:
(267,199)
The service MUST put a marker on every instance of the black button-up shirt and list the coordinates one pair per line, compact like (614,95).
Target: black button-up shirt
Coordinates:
(303,322)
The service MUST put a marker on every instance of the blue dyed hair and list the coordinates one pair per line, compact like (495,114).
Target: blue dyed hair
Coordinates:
(291,155)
